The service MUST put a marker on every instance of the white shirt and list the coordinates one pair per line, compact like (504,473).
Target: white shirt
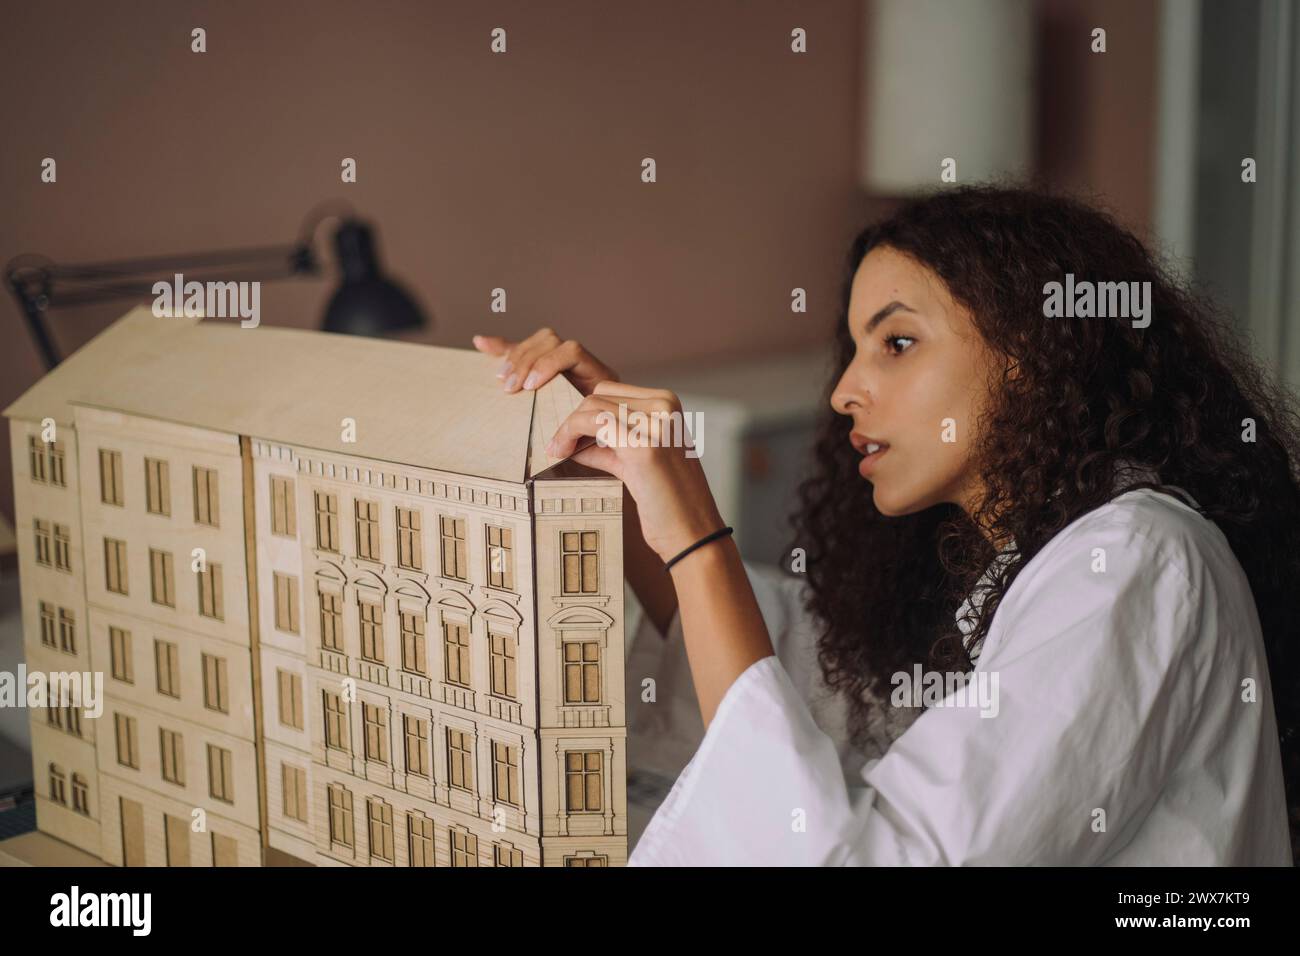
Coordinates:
(1125,730)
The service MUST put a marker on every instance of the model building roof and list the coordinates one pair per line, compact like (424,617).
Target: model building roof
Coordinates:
(413,404)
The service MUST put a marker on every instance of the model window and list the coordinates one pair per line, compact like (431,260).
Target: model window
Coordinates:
(284,519)
(206,505)
(327,522)
(464,848)
(42,542)
(416,732)
(110,477)
(372,631)
(331,621)
(336,722)
(505,773)
(452,533)
(367,513)
(460,759)
(580,554)
(500,557)
(504,670)
(584,780)
(36,458)
(173,756)
(62,547)
(167,665)
(340,805)
(162,578)
(290,692)
(286,603)
(455,657)
(119,651)
(211,601)
(581,672)
(410,549)
(157,486)
(58,465)
(115,565)
(216,690)
(221,783)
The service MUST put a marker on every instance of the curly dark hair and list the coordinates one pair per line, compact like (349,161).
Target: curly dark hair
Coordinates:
(1088,395)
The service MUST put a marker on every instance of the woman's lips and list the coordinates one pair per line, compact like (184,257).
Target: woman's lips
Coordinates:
(869,462)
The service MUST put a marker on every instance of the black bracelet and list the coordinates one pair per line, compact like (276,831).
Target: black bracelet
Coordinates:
(720,533)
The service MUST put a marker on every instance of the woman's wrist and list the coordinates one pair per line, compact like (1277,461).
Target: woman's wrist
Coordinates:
(703,542)
(686,537)
(709,556)
(690,528)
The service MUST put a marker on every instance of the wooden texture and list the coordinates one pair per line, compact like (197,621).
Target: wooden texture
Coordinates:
(412,404)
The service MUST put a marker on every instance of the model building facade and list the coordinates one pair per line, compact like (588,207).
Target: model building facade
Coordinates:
(358,624)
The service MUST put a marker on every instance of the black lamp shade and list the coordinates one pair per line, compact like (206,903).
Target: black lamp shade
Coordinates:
(367,303)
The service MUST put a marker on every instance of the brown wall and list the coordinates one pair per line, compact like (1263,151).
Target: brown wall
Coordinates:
(480,170)
(1097,111)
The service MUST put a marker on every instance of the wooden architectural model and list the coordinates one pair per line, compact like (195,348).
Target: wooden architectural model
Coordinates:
(344,605)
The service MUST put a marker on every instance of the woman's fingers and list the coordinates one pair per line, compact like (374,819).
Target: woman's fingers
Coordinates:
(600,458)
(549,364)
(583,369)
(656,410)
(614,389)
(536,360)
(606,416)
(585,420)
(492,344)
(520,359)
(670,489)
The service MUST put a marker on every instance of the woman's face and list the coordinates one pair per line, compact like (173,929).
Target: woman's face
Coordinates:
(918,383)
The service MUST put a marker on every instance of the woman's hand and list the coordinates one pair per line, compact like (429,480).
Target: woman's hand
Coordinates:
(670,501)
(722,625)
(536,360)
(641,439)
(672,497)
(672,486)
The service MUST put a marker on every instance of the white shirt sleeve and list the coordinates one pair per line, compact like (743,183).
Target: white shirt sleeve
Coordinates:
(1096,689)
(665,733)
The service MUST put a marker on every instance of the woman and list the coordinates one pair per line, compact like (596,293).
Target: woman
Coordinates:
(1082,530)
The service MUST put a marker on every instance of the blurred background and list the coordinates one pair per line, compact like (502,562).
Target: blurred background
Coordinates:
(522,170)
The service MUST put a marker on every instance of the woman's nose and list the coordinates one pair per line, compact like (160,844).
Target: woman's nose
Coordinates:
(847,396)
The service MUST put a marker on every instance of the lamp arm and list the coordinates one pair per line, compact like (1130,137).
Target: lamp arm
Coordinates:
(37,287)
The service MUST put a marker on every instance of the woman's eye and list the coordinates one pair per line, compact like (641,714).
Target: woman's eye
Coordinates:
(892,343)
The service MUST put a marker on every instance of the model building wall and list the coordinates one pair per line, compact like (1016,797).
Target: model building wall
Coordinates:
(163,532)
(579,532)
(398,646)
(53,569)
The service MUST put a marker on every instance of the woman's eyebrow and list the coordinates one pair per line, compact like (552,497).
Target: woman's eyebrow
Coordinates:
(885,313)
